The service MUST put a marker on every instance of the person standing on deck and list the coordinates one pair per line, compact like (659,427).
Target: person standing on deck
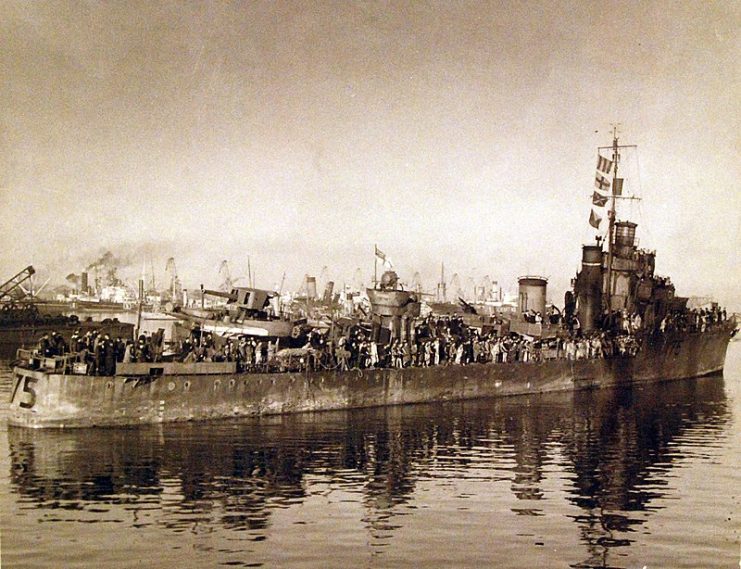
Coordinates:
(128,355)
(373,354)
(97,355)
(109,356)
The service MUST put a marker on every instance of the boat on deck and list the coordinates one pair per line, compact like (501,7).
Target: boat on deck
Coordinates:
(247,312)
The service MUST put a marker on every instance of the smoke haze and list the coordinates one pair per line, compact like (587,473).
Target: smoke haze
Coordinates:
(299,135)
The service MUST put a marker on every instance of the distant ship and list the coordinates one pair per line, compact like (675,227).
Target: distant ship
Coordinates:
(617,299)
(24,319)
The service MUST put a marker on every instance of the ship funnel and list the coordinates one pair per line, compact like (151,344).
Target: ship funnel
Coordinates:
(310,287)
(328,290)
(625,237)
(83,283)
(589,287)
(532,294)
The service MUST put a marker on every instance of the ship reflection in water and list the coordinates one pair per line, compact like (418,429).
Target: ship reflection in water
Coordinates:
(576,475)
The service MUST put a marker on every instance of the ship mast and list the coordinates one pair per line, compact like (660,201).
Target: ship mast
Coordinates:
(611,217)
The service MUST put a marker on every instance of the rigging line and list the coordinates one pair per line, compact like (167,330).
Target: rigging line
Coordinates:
(641,213)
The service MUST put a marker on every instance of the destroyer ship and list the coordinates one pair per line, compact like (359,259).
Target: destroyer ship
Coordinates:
(622,325)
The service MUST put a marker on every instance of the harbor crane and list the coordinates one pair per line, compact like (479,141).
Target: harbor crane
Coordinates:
(416,282)
(15,283)
(171,270)
(455,285)
(227,283)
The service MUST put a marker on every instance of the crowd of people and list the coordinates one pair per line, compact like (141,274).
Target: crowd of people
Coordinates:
(99,351)
(695,320)
(434,341)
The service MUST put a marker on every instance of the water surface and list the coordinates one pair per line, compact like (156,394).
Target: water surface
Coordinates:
(648,477)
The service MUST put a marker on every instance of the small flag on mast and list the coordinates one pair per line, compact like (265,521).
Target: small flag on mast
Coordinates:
(380,254)
(599,200)
(594,220)
(618,189)
(604,164)
(601,183)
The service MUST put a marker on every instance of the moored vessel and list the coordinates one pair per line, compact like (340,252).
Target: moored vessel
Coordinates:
(24,319)
(621,325)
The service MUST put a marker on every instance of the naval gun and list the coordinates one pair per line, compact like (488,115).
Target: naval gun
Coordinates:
(246,302)
(467,307)
(393,309)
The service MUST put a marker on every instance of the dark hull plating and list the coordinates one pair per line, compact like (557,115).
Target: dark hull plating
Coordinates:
(42,399)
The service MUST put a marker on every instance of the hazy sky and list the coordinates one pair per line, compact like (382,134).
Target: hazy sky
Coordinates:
(301,133)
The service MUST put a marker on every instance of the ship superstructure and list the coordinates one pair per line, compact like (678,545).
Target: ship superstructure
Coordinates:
(621,326)
(619,282)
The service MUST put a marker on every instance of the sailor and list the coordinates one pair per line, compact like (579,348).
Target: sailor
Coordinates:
(98,354)
(109,355)
(249,352)
(459,354)
(406,354)
(576,325)
(44,346)
(60,344)
(427,348)
(119,346)
(570,349)
(142,351)
(494,349)
(128,355)
(397,354)
(341,354)
(73,341)
(373,352)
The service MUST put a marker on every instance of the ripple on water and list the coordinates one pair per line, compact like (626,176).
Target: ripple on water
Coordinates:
(599,479)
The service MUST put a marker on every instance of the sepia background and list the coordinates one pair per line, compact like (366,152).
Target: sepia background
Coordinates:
(300,134)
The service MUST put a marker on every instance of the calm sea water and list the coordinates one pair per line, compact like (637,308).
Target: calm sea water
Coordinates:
(643,478)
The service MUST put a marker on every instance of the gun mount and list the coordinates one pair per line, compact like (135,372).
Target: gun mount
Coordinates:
(243,302)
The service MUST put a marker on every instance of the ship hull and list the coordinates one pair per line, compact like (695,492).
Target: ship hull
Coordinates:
(41,399)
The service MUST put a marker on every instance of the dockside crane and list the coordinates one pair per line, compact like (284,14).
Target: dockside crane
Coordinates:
(171,270)
(416,285)
(226,283)
(455,285)
(15,283)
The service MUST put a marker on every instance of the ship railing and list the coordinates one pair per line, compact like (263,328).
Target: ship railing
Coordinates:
(34,360)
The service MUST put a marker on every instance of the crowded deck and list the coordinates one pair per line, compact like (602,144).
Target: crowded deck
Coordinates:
(443,341)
